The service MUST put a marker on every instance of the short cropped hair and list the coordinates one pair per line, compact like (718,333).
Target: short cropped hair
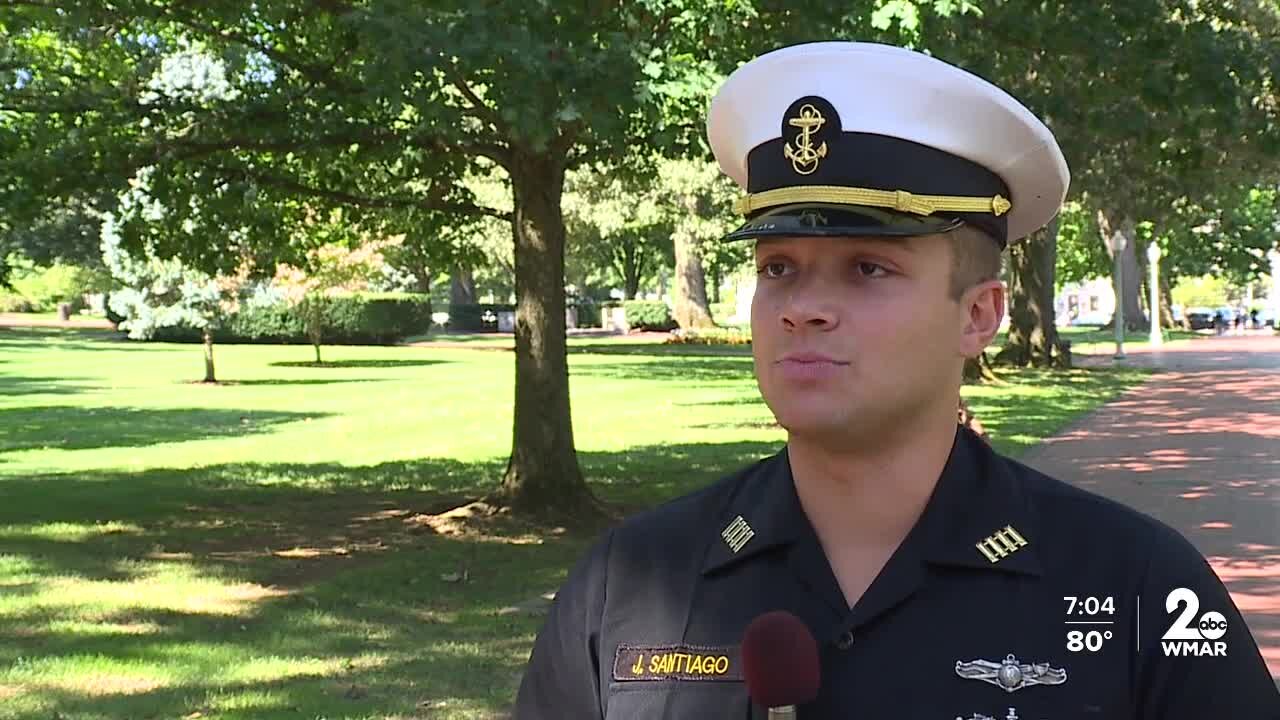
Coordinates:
(975,258)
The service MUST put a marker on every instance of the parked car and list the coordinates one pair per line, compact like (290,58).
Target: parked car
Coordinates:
(1199,318)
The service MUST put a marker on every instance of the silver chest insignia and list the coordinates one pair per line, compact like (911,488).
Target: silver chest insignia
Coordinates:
(1013,715)
(1011,675)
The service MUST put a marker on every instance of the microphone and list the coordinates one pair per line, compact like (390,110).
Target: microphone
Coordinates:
(780,663)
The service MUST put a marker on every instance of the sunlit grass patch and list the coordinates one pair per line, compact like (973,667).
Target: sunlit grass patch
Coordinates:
(260,550)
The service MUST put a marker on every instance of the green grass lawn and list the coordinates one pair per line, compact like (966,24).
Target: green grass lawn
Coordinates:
(257,549)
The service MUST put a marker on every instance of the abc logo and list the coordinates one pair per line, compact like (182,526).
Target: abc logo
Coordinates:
(1212,625)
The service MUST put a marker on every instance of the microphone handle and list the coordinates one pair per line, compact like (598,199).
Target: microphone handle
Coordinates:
(786,712)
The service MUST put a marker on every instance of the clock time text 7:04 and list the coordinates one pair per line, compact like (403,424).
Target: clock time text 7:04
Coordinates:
(1090,605)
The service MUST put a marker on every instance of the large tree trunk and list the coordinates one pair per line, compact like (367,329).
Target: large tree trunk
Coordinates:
(1033,336)
(209,376)
(691,309)
(978,370)
(1166,301)
(462,288)
(422,280)
(1134,317)
(631,282)
(628,261)
(542,475)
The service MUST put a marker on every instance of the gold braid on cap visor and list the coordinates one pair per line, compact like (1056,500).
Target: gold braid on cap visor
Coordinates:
(896,199)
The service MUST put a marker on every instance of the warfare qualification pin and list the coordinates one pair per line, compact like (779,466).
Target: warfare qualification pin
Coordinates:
(1011,675)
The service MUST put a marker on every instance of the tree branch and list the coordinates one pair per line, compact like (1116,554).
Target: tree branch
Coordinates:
(348,198)
(481,109)
(318,72)
(500,154)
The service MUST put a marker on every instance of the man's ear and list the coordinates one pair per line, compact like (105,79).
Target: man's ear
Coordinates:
(982,308)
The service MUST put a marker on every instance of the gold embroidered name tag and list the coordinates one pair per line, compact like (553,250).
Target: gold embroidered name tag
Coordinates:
(634,663)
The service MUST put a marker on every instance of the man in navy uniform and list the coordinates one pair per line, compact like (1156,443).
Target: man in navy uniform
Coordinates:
(940,579)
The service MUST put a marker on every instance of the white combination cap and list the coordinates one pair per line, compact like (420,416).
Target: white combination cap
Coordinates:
(846,138)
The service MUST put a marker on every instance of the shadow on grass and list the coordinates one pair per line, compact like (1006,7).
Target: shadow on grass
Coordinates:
(700,369)
(340,364)
(306,381)
(659,349)
(78,428)
(372,631)
(1060,397)
(14,385)
(80,338)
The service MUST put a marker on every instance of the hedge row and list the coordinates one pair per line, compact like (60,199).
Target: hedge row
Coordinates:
(368,319)
(644,315)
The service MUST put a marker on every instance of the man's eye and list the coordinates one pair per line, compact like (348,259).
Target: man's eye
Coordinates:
(871,269)
(774,269)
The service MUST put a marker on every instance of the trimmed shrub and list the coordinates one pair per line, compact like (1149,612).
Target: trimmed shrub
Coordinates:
(45,287)
(644,315)
(361,319)
(471,318)
(710,336)
(12,302)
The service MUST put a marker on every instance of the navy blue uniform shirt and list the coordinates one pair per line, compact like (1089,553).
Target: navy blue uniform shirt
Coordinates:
(973,617)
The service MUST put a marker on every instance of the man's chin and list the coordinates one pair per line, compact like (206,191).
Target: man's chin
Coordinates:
(817,424)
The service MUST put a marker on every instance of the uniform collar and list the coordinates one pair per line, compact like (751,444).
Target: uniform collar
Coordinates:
(978,517)
(767,504)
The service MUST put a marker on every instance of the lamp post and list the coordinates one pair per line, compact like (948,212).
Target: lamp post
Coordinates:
(1273,296)
(1117,244)
(1153,258)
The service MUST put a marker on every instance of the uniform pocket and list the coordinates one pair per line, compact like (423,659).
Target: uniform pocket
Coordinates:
(678,700)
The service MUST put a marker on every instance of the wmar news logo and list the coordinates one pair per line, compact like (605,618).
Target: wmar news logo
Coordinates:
(1188,637)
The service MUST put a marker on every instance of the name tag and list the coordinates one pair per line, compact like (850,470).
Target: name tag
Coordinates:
(635,663)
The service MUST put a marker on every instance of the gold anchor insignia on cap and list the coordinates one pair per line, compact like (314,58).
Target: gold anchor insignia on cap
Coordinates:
(737,534)
(1001,544)
(1011,675)
(804,159)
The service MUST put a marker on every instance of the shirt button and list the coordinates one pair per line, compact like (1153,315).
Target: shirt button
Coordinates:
(845,641)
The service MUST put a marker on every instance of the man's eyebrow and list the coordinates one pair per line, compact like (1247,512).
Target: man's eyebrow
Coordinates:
(906,242)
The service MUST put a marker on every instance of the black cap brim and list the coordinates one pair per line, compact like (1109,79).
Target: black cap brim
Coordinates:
(828,220)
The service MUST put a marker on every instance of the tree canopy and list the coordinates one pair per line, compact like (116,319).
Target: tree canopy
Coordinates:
(252,118)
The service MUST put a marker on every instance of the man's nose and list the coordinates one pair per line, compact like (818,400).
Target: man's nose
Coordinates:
(809,307)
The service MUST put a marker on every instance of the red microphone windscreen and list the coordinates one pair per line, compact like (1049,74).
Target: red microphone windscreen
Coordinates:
(780,660)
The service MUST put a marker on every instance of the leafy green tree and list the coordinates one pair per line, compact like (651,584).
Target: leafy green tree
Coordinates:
(255,114)
(1154,103)
(1206,291)
(699,202)
(63,232)
(163,292)
(1080,255)
(331,270)
(616,220)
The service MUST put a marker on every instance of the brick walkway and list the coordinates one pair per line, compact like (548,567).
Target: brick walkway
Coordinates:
(1197,446)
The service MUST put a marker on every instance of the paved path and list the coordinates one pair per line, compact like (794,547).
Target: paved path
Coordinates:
(1197,446)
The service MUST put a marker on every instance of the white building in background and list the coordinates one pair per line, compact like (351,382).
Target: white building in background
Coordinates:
(1091,302)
